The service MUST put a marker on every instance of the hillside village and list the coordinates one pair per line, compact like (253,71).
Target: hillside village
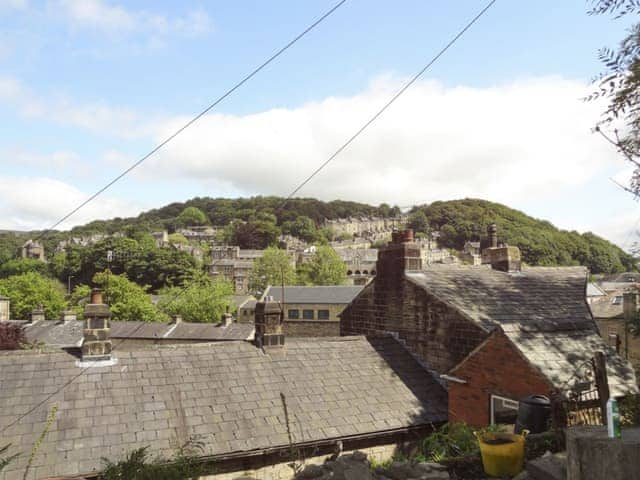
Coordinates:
(278,365)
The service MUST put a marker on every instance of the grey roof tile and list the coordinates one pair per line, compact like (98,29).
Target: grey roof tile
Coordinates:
(161,395)
(315,294)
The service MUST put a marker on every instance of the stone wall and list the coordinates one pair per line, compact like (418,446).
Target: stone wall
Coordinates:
(312,328)
(282,470)
(496,368)
(436,333)
(616,326)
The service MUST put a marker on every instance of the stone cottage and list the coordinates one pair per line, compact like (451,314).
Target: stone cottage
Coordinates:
(496,332)
(254,407)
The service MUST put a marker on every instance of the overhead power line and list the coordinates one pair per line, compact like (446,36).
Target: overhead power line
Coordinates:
(351,139)
(248,77)
(389,103)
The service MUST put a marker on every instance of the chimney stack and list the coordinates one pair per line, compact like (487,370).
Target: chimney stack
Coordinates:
(37,314)
(504,258)
(268,323)
(97,343)
(68,316)
(227,319)
(5,304)
(176,319)
(400,255)
(492,231)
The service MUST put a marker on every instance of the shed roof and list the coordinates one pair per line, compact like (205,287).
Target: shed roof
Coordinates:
(340,294)
(229,394)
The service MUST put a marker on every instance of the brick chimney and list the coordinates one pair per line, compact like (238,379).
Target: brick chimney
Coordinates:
(504,258)
(398,256)
(97,343)
(268,322)
(37,314)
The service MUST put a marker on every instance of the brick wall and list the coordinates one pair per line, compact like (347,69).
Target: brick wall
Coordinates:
(438,334)
(495,368)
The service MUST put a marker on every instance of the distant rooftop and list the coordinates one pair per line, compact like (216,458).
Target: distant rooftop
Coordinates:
(315,294)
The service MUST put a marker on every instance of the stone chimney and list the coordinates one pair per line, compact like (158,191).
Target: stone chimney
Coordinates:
(37,314)
(97,344)
(268,323)
(629,312)
(68,316)
(398,256)
(504,258)
(175,319)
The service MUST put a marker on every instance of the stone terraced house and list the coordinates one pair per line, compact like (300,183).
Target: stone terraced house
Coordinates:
(250,404)
(496,332)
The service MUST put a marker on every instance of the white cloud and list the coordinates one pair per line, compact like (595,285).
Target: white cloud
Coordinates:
(111,18)
(96,116)
(510,143)
(36,203)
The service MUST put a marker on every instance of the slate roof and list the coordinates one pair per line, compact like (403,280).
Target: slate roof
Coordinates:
(538,298)
(65,335)
(323,294)
(560,355)
(593,290)
(228,394)
(542,310)
(605,308)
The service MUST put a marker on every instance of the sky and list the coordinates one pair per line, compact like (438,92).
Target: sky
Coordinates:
(87,87)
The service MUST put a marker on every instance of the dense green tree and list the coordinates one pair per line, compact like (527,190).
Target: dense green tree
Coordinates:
(178,238)
(9,245)
(302,227)
(191,216)
(80,296)
(127,300)
(272,268)
(199,300)
(418,221)
(325,268)
(257,234)
(30,290)
(22,265)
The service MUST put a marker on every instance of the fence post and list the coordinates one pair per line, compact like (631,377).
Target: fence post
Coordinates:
(602,383)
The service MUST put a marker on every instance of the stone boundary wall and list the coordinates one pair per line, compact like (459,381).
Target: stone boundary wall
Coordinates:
(282,470)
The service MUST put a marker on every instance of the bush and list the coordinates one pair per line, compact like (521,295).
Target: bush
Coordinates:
(453,440)
(11,336)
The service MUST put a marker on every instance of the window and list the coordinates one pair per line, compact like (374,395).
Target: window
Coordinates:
(307,314)
(323,314)
(294,314)
(503,410)
(617,300)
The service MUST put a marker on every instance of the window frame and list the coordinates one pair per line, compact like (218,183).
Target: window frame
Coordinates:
(297,314)
(328,314)
(305,311)
(503,399)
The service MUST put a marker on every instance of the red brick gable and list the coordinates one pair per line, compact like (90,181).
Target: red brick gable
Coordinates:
(496,367)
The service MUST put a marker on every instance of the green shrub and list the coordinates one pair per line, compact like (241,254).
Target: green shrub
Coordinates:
(453,440)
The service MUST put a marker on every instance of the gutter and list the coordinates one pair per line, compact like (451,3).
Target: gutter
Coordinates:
(284,451)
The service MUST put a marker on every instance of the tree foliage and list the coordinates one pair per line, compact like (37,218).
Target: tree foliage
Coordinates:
(200,300)
(29,290)
(18,266)
(192,216)
(325,268)
(272,268)
(619,85)
(127,300)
